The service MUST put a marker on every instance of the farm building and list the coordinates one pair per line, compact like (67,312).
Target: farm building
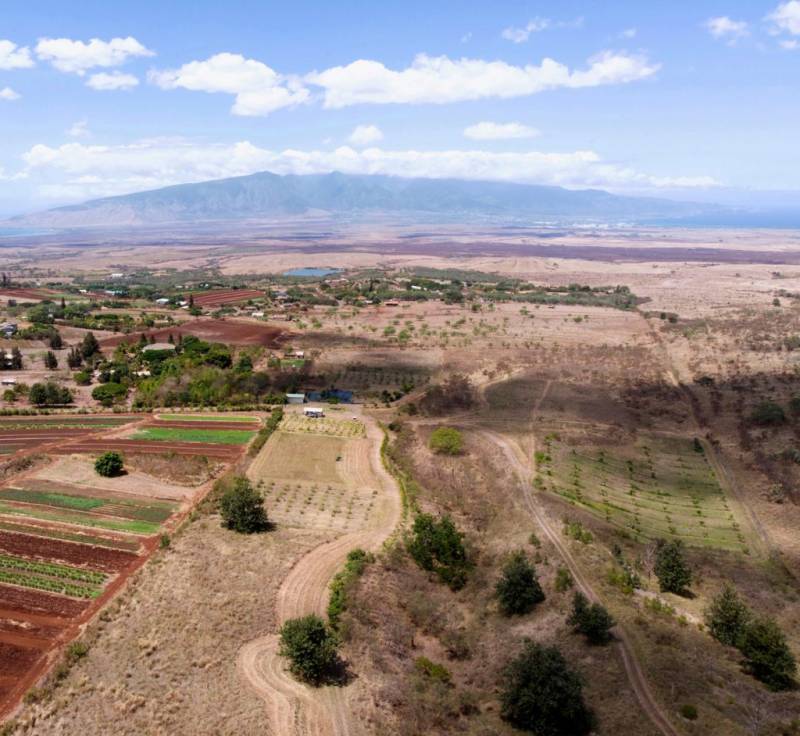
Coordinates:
(295,398)
(314,412)
(162,301)
(8,381)
(8,329)
(159,346)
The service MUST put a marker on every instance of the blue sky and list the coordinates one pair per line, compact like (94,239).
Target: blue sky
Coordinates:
(669,99)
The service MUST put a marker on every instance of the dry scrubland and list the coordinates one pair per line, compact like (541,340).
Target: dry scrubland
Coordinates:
(600,406)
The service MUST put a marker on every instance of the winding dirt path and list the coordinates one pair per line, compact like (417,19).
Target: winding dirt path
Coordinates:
(295,709)
(524,469)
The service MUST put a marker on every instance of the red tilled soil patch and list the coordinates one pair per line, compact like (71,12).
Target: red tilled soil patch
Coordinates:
(37,294)
(35,601)
(37,632)
(226,452)
(211,330)
(225,296)
(96,558)
(15,660)
(65,419)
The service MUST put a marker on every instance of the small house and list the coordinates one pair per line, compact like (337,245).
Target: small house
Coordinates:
(295,398)
(162,301)
(158,346)
(8,381)
(8,329)
(315,412)
(258,315)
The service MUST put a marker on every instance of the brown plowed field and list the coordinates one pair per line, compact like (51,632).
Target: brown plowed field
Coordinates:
(25,600)
(212,330)
(226,296)
(34,294)
(225,452)
(38,631)
(97,558)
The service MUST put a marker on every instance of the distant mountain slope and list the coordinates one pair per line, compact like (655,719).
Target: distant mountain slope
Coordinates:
(270,195)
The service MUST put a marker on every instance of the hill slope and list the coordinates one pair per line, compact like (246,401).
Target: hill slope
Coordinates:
(270,195)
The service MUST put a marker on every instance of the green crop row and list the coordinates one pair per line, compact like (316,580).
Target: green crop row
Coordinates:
(133,526)
(177,434)
(53,569)
(48,585)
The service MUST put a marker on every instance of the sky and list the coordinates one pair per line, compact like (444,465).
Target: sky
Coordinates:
(690,100)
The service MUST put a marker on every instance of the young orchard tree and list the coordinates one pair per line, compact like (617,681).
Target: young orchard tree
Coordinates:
(50,360)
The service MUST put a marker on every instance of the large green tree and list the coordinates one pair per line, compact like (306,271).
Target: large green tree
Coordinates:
(438,546)
(518,589)
(672,571)
(541,694)
(242,508)
(767,654)
(590,619)
(310,647)
(727,617)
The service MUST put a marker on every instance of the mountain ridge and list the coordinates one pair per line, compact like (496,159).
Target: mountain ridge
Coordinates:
(268,195)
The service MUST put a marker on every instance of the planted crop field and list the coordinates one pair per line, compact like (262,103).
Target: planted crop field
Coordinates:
(219,297)
(209,449)
(661,487)
(185,434)
(347,428)
(77,518)
(41,493)
(42,532)
(52,577)
(225,418)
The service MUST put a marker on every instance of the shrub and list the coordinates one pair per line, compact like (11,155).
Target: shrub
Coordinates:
(343,581)
(518,589)
(689,712)
(727,617)
(432,670)
(564,579)
(591,620)
(89,347)
(437,546)
(446,441)
(541,694)
(768,414)
(50,360)
(310,647)
(674,575)
(242,508)
(767,655)
(82,378)
(109,464)
(576,531)
(49,394)
(109,393)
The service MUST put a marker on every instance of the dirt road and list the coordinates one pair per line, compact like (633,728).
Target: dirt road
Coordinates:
(524,469)
(295,709)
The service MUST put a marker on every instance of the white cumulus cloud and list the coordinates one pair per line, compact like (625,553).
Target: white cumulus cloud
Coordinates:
(723,27)
(786,18)
(488,131)
(105,81)
(440,80)
(78,57)
(8,94)
(14,57)
(258,89)
(520,35)
(363,135)
(79,129)
(76,170)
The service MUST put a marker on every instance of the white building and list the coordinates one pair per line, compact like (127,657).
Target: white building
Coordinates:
(314,412)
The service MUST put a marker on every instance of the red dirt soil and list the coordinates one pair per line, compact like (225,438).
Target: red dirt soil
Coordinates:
(25,600)
(226,452)
(225,296)
(212,330)
(33,294)
(96,558)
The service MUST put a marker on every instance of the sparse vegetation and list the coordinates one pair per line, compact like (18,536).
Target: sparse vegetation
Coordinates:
(446,441)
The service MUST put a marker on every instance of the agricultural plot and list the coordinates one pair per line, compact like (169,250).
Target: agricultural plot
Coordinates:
(315,480)
(347,428)
(27,433)
(378,378)
(184,434)
(225,418)
(662,487)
